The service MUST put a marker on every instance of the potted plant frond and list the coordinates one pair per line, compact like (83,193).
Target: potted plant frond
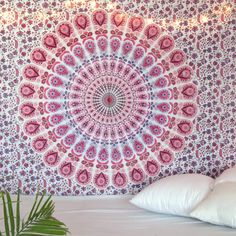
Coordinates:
(40,220)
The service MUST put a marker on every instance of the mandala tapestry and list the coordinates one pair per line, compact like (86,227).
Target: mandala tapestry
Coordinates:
(107,100)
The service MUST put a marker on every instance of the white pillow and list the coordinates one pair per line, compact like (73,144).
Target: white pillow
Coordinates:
(177,194)
(227,175)
(219,207)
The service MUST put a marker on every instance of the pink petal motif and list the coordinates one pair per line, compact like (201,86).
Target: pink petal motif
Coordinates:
(118,19)
(55,81)
(128,153)
(51,158)
(80,147)
(91,153)
(39,56)
(40,144)
(156,130)
(102,43)
(83,177)
(62,130)
(115,44)
(189,91)
(70,140)
(56,119)
(164,94)
(116,155)
(31,72)
(177,143)
(148,139)
(138,53)
(66,169)
(138,146)
(119,180)
(127,47)
(164,107)
(161,119)
(185,127)
(177,57)
(152,31)
(137,175)
(166,43)
(32,127)
(82,21)
(61,70)
(27,91)
(189,110)
(90,46)
(99,17)
(136,23)
(69,60)
(101,180)
(156,71)
(185,73)
(165,157)
(27,110)
(148,61)
(161,82)
(50,41)
(53,94)
(103,156)
(65,30)
(152,168)
(78,52)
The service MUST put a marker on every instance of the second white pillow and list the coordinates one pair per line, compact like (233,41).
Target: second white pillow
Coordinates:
(220,206)
(228,175)
(177,194)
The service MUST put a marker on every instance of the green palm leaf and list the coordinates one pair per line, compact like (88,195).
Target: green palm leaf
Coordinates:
(18,212)
(39,221)
(5,215)
(11,214)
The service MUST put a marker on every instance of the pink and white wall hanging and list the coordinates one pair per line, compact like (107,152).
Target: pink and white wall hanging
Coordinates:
(104,98)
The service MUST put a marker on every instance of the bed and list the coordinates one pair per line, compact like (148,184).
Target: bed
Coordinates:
(115,216)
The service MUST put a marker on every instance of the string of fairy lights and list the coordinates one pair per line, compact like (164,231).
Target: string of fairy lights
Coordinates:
(7,18)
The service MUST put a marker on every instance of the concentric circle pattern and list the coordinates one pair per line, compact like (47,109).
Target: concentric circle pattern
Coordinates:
(107,99)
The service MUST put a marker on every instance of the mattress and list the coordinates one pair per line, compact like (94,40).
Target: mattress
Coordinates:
(115,216)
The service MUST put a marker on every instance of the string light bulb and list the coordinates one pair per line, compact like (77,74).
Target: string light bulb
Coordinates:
(227,9)
(204,19)
(69,3)
(54,13)
(40,16)
(176,23)
(110,6)
(164,23)
(149,20)
(93,4)
(7,17)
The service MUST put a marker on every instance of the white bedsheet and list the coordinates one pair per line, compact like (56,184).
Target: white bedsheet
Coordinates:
(115,216)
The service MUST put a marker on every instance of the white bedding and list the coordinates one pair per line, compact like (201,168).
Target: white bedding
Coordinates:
(115,216)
